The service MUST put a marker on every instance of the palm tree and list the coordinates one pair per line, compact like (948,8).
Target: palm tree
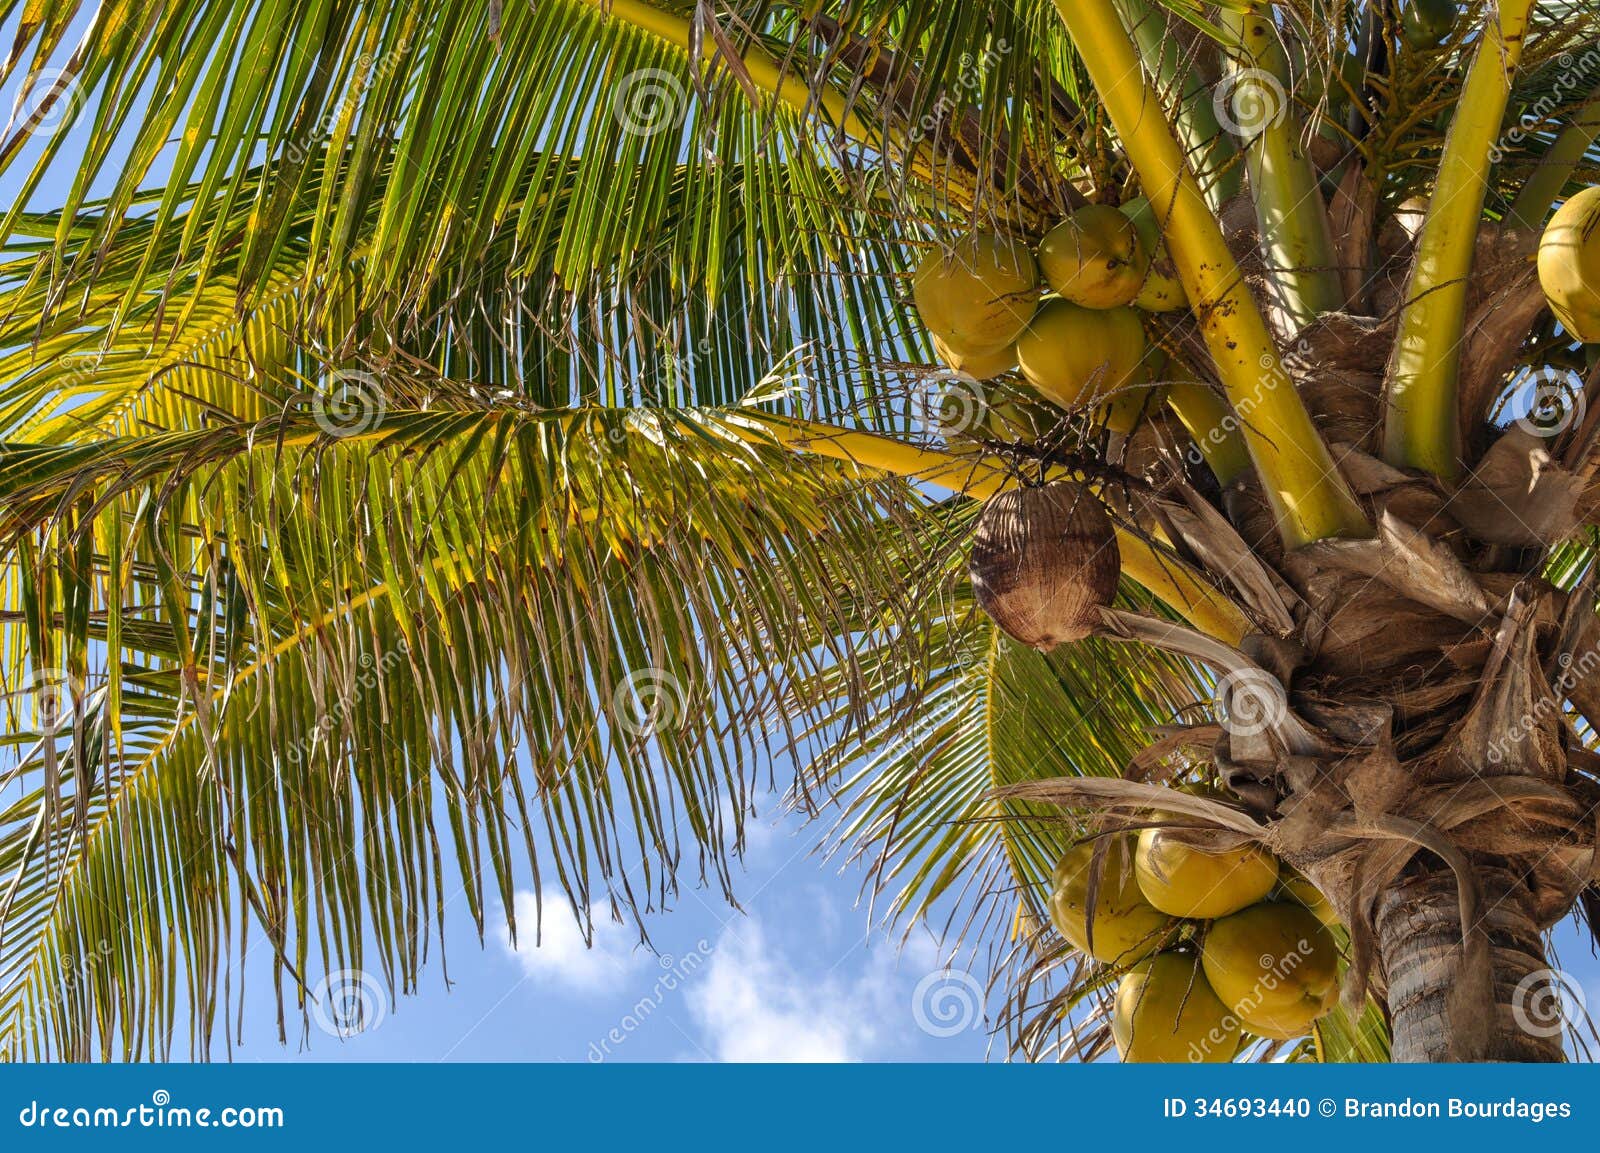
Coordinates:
(481,435)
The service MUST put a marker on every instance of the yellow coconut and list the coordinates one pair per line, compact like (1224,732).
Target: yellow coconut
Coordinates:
(1018,414)
(1127,928)
(1294,887)
(1161,290)
(1094,258)
(980,364)
(1275,965)
(1569,265)
(979,294)
(1076,355)
(1166,1011)
(1185,881)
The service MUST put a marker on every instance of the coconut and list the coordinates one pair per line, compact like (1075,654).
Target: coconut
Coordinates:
(1095,258)
(1161,290)
(978,295)
(1569,265)
(1186,881)
(1428,23)
(1075,356)
(1275,965)
(1044,563)
(1166,1011)
(1018,414)
(980,364)
(1292,886)
(1127,928)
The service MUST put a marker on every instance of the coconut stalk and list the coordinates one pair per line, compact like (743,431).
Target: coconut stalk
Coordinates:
(1421,427)
(1175,583)
(758,66)
(1187,94)
(1544,187)
(1308,498)
(1213,428)
(1291,215)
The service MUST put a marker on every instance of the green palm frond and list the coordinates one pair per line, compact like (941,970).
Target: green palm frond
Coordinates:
(535,646)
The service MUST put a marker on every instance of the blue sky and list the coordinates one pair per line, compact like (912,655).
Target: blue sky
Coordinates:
(794,974)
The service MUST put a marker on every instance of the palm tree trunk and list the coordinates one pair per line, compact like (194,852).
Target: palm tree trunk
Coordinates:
(1419,945)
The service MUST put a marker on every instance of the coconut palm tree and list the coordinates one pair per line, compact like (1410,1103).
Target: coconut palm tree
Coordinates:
(441,440)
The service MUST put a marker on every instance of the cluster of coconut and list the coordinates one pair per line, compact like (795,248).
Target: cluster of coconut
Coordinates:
(1080,346)
(1213,945)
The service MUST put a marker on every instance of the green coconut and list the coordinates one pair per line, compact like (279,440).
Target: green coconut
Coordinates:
(1076,356)
(1428,23)
(1095,258)
(981,364)
(978,295)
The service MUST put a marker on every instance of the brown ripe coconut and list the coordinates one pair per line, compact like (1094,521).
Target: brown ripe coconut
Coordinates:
(1095,258)
(979,294)
(1077,356)
(1044,563)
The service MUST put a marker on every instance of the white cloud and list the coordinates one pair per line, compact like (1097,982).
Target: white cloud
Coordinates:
(753,1004)
(563,958)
